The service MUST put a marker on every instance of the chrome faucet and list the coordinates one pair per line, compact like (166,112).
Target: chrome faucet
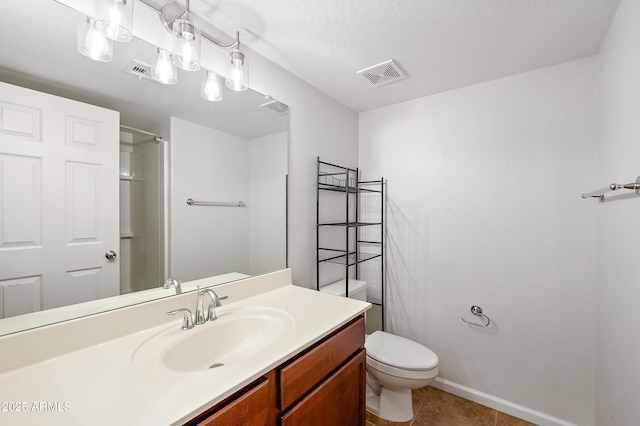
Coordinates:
(201,318)
(189,320)
(172,282)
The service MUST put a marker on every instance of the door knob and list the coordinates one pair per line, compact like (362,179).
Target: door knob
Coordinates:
(111,255)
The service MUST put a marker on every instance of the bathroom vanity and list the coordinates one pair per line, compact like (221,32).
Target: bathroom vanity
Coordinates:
(325,383)
(136,366)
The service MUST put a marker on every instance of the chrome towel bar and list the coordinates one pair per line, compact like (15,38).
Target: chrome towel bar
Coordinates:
(192,202)
(599,193)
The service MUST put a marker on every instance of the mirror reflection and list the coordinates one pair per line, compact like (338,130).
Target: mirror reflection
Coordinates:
(163,145)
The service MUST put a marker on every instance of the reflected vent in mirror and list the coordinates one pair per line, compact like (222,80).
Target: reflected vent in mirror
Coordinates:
(139,69)
(276,106)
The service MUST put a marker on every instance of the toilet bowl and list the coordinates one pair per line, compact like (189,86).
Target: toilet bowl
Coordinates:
(395,366)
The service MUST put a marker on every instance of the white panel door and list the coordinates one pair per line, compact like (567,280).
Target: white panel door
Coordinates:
(59,202)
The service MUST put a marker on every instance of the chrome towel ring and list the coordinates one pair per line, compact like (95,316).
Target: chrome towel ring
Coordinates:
(477,311)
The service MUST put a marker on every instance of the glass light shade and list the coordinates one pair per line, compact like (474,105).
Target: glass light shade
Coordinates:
(114,18)
(186,45)
(92,43)
(164,71)
(210,88)
(238,74)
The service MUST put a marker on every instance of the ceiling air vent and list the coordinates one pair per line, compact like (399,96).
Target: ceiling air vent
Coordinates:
(276,106)
(383,73)
(139,69)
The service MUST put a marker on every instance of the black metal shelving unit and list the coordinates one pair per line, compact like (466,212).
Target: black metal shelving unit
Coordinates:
(345,180)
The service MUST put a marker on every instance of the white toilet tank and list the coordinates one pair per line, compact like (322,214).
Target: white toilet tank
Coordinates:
(357,289)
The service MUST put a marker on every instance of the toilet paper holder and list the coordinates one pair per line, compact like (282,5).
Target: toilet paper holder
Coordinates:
(477,311)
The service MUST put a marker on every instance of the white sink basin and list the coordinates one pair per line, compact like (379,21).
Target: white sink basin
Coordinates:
(236,336)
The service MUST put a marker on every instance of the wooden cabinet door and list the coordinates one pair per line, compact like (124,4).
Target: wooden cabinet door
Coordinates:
(250,409)
(338,401)
(313,366)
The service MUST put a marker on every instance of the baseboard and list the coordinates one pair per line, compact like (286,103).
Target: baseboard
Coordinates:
(499,404)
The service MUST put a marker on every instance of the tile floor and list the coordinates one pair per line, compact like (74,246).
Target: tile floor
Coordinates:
(433,407)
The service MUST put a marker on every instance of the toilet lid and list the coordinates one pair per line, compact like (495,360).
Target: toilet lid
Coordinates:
(399,352)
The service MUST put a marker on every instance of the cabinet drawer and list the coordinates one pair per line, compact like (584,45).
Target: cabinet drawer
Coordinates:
(306,371)
(340,400)
(250,409)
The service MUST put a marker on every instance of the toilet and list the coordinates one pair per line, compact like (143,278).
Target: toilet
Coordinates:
(395,365)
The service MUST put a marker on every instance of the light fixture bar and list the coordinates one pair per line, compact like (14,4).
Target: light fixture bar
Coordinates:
(171,12)
(235,44)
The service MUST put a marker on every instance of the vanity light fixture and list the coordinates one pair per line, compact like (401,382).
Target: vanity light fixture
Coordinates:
(238,74)
(164,70)
(92,43)
(210,88)
(187,41)
(114,18)
(186,35)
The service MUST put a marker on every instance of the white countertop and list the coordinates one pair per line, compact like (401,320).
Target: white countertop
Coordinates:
(100,385)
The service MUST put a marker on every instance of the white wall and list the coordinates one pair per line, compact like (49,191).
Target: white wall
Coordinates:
(267,211)
(484,208)
(318,126)
(207,165)
(618,380)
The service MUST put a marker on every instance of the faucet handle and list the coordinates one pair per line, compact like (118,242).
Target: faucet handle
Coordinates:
(187,321)
(215,303)
(211,314)
(218,299)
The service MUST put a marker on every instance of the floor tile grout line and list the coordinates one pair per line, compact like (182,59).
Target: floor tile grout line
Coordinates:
(422,404)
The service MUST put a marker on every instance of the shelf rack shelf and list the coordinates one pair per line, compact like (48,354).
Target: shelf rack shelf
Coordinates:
(349,254)
(350,224)
(350,259)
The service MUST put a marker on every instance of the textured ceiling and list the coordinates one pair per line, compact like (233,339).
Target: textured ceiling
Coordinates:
(441,44)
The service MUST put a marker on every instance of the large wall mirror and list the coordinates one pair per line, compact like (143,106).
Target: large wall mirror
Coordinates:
(229,157)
